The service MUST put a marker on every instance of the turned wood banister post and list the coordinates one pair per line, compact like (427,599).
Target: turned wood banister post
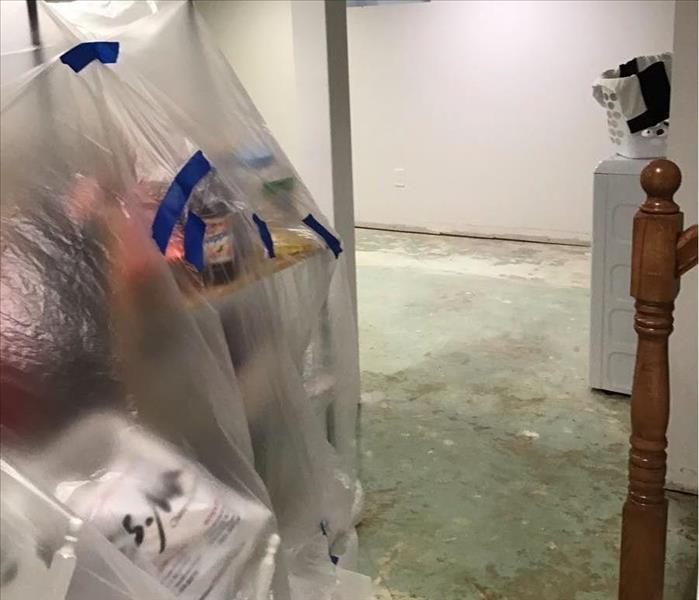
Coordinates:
(661,253)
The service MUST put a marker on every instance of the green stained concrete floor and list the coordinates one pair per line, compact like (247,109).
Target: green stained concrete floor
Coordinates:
(492,471)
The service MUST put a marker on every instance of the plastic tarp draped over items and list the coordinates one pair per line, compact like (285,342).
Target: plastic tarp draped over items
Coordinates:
(178,359)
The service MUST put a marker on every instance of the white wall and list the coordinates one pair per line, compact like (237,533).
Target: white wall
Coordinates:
(14,26)
(312,154)
(682,434)
(278,50)
(257,39)
(15,40)
(488,108)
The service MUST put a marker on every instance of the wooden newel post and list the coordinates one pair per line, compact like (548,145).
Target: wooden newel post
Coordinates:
(654,285)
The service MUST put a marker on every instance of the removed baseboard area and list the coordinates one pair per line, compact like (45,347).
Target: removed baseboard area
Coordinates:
(559,238)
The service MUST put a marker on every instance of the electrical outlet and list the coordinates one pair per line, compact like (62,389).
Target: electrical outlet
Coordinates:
(399,177)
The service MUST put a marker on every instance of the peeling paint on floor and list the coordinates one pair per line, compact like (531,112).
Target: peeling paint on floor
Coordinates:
(492,471)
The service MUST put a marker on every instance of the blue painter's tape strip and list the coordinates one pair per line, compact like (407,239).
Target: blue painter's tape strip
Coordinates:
(78,57)
(194,230)
(176,197)
(168,212)
(323,528)
(332,242)
(265,235)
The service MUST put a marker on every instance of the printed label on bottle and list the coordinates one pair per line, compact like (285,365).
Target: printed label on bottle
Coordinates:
(218,241)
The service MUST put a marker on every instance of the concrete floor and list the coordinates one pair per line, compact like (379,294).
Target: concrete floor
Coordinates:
(491,470)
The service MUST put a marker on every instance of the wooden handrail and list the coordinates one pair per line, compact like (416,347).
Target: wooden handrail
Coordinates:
(687,250)
(662,252)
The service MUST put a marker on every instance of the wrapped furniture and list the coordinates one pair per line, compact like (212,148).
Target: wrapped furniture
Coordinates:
(178,349)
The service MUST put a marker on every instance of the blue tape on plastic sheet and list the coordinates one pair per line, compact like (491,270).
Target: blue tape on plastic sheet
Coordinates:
(332,242)
(78,57)
(194,230)
(265,235)
(323,528)
(173,204)
(176,197)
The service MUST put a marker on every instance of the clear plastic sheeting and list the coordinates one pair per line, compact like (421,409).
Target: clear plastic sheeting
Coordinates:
(178,348)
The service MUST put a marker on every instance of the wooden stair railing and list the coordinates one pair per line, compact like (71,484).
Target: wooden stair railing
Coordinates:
(662,252)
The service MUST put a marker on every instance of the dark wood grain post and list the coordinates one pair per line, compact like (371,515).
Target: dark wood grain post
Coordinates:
(654,285)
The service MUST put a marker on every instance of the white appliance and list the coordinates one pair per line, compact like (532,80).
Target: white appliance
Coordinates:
(617,196)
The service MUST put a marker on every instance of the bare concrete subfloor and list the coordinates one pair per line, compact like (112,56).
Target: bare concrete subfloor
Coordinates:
(492,471)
